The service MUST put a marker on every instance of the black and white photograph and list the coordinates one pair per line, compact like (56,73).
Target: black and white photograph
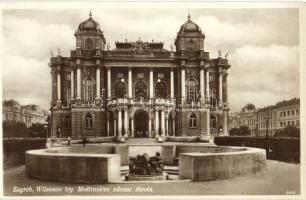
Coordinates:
(152,100)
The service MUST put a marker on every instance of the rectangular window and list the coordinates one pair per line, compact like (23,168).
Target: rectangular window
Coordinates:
(297,111)
(298,122)
(68,123)
(284,114)
(211,76)
(281,124)
(68,77)
(192,121)
(119,75)
(140,75)
(281,114)
(292,112)
(288,112)
(160,75)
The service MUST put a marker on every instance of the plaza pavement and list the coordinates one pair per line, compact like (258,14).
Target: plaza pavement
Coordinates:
(278,178)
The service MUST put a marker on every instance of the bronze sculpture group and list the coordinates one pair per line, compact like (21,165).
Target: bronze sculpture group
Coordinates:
(145,165)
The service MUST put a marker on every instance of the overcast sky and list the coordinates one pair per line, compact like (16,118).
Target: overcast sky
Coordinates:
(263,46)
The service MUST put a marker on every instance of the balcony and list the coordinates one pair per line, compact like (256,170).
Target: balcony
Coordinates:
(121,103)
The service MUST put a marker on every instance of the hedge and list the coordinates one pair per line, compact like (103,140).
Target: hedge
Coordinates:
(187,139)
(14,149)
(281,149)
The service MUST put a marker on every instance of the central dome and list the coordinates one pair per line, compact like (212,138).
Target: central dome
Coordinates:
(89,25)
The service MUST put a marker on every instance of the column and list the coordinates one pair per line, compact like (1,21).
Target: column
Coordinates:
(225,131)
(98,88)
(72,83)
(171,83)
(167,127)
(220,85)
(132,127)
(162,123)
(207,82)
(208,122)
(156,123)
(202,89)
(115,127)
(59,87)
(107,128)
(119,123)
(109,82)
(126,123)
(150,126)
(130,84)
(173,126)
(183,85)
(151,83)
(78,83)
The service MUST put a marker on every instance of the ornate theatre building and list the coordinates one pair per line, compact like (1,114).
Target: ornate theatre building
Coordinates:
(138,89)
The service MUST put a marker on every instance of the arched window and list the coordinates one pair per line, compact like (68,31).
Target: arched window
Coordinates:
(192,121)
(67,96)
(192,90)
(120,89)
(88,43)
(161,89)
(67,121)
(140,89)
(89,90)
(213,121)
(88,120)
(213,101)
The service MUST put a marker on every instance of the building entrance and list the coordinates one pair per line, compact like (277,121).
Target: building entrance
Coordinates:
(141,124)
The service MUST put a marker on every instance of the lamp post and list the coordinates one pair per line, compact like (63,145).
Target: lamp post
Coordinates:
(267,118)
(46,128)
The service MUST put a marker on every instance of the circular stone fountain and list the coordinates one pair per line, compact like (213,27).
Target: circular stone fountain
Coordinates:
(104,163)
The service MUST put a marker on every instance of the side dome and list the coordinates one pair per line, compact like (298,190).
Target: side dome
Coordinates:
(89,25)
(189,27)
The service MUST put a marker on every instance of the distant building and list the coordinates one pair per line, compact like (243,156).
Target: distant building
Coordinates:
(277,117)
(28,114)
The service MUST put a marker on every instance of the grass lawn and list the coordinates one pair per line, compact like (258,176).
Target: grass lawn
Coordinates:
(278,178)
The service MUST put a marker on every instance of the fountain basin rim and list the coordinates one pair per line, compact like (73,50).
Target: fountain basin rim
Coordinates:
(244,150)
(46,152)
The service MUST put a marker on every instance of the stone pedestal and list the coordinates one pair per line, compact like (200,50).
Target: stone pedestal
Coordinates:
(168,154)
(123,151)
(72,167)
(212,166)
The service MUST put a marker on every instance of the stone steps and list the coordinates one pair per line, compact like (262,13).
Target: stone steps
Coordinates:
(141,140)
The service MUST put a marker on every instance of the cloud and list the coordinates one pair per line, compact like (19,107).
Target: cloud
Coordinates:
(263,54)
(263,75)
(27,79)
(30,39)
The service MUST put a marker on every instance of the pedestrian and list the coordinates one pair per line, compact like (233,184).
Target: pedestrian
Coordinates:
(84,141)
(69,141)
(58,132)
